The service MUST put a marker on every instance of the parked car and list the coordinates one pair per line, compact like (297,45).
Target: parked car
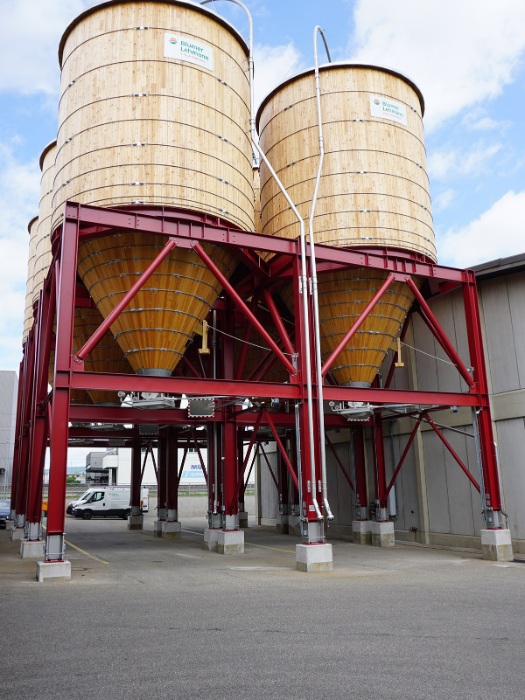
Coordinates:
(5,509)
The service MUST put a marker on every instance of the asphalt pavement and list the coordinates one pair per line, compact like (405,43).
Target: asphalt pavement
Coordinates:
(145,617)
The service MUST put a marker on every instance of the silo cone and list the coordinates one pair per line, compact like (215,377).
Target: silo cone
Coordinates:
(154,113)
(374,193)
(106,356)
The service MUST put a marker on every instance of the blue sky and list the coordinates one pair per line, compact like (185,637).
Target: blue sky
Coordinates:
(466,56)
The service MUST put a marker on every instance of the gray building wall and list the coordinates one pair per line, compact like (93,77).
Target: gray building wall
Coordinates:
(8,398)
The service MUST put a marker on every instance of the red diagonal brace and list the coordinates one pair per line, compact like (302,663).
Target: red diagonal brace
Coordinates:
(452,452)
(282,450)
(403,456)
(244,308)
(439,333)
(133,291)
(362,317)
(340,463)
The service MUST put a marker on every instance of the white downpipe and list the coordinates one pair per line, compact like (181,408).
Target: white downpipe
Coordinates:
(302,236)
(317,330)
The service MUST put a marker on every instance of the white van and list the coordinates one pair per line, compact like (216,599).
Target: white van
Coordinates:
(101,502)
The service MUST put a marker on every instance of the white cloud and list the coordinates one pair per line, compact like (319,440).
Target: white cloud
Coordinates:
(273,64)
(446,163)
(497,233)
(30,32)
(458,53)
(443,200)
(19,195)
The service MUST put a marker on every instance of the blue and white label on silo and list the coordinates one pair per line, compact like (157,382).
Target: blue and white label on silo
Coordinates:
(187,48)
(386,108)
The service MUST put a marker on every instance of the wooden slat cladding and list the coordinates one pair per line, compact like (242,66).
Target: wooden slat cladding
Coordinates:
(42,244)
(154,328)
(32,228)
(137,127)
(374,192)
(374,189)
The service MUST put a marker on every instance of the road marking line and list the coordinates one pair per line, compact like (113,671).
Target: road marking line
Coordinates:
(82,551)
(87,554)
(275,549)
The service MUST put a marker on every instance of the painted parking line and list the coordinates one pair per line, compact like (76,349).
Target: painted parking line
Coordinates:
(82,551)
(87,554)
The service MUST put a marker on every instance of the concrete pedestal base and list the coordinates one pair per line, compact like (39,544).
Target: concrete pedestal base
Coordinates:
(362,531)
(53,571)
(243,519)
(171,529)
(382,533)
(282,524)
(31,549)
(294,525)
(17,533)
(314,558)
(496,545)
(230,542)
(10,524)
(157,528)
(136,522)
(211,537)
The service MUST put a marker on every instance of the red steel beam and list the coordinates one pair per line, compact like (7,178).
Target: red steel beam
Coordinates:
(201,228)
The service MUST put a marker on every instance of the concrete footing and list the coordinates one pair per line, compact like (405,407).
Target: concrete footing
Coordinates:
(243,519)
(136,522)
(211,537)
(382,533)
(31,549)
(17,533)
(171,529)
(230,542)
(314,558)
(53,571)
(282,524)
(157,528)
(362,531)
(496,545)
(9,525)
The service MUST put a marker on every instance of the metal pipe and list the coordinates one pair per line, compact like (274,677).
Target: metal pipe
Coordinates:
(302,237)
(214,427)
(313,269)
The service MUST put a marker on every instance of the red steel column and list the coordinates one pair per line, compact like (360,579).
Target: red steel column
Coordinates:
(493,504)
(66,273)
(162,490)
(381,485)
(360,474)
(136,478)
(172,487)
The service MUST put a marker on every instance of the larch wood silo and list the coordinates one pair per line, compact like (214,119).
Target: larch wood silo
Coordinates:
(154,113)
(374,193)
(32,228)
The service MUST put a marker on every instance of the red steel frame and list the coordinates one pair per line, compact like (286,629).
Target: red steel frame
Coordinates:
(43,418)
